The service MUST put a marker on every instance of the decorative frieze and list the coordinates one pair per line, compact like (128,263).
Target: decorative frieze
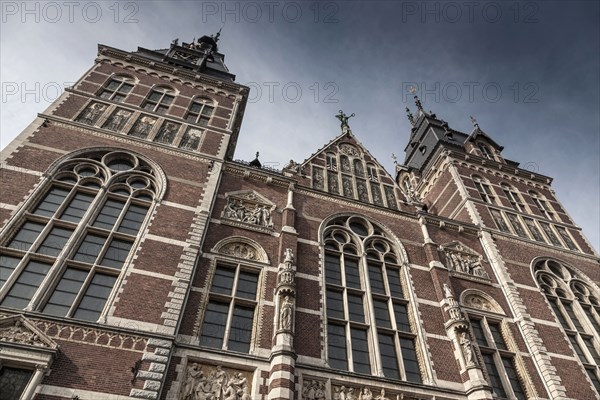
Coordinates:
(215,383)
(464,261)
(249,208)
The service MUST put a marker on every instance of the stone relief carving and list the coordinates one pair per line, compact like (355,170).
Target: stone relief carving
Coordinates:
(313,390)
(464,261)
(214,383)
(91,114)
(478,302)
(349,393)
(18,333)
(348,149)
(240,250)
(117,120)
(248,210)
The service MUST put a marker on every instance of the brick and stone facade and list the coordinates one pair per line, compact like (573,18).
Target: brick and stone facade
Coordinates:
(459,276)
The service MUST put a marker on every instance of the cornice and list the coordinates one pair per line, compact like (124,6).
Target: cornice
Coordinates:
(111,52)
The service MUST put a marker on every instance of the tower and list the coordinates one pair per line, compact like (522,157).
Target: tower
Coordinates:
(138,260)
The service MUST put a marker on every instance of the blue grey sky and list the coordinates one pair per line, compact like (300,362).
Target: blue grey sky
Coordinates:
(528,71)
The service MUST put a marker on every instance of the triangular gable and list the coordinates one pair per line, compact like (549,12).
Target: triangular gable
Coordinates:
(19,330)
(345,167)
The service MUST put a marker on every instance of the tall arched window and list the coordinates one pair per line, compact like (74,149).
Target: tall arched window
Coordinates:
(513,196)
(576,305)
(369,326)
(66,249)
(542,205)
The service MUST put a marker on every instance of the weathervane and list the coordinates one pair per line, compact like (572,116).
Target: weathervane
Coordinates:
(344,120)
(474,122)
(395,159)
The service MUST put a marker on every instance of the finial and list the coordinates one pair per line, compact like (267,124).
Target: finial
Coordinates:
(344,120)
(411,119)
(474,122)
(395,159)
(175,42)
(257,154)
(418,104)
(218,35)
(255,162)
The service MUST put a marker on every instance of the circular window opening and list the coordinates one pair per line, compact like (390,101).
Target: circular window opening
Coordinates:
(359,228)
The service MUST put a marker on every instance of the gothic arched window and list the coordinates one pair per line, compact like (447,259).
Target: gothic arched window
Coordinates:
(542,205)
(370,328)
(513,196)
(66,249)
(576,305)
(159,99)
(117,88)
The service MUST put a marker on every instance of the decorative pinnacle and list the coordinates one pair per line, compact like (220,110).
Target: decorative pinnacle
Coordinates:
(474,122)
(218,35)
(411,119)
(418,104)
(257,154)
(395,159)
(344,120)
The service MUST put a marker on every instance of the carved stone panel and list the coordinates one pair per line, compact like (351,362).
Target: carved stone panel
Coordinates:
(464,261)
(313,390)
(207,382)
(250,209)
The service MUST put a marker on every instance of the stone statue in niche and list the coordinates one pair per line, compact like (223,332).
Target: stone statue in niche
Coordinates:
(254,214)
(313,390)
(217,386)
(285,316)
(289,256)
(467,349)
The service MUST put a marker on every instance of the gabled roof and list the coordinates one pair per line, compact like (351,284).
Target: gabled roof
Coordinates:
(346,137)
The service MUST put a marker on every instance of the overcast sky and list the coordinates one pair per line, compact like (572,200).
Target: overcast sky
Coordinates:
(528,71)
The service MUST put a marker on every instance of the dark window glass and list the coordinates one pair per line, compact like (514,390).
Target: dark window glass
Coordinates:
(511,371)
(497,335)
(409,356)
(77,207)
(594,378)
(109,214)
(389,357)
(26,236)
(559,314)
(117,252)
(587,309)
(65,293)
(356,308)
(13,382)
(332,269)
(493,375)
(55,241)
(26,285)
(382,315)
(478,332)
(213,328)
(577,348)
(335,305)
(352,275)
(376,279)
(241,329)
(51,202)
(401,314)
(337,346)
(90,248)
(574,319)
(7,266)
(95,297)
(360,351)
(394,282)
(589,343)
(223,281)
(246,286)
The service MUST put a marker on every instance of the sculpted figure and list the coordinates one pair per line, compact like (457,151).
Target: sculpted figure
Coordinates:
(286,313)
(382,395)
(467,348)
(366,394)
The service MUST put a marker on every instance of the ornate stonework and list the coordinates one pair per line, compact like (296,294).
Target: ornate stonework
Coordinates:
(19,330)
(204,382)
(479,300)
(313,390)
(249,208)
(366,393)
(239,250)
(348,149)
(464,261)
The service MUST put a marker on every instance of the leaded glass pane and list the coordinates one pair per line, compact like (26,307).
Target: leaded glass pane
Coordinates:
(7,266)
(223,281)
(26,285)
(77,207)
(394,282)
(336,339)
(90,248)
(382,315)
(352,274)
(26,236)
(213,328)
(51,202)
(409,356)
(376,278)
(246,287)
(117,252)
(133,219)
(335,304)
(389,357)
(360,351)
(94,299)
(356,308)
(65,292)
(401,314)
(241,329)
(493,375)
(333,273)
(55,241)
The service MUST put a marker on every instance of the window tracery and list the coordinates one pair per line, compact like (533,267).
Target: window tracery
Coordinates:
(576,305)
(76,235)
(369,325)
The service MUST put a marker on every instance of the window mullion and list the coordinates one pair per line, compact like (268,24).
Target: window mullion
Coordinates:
(84,287)
(231,308)
(370,317)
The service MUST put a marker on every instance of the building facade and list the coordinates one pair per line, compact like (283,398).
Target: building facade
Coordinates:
(139,260)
